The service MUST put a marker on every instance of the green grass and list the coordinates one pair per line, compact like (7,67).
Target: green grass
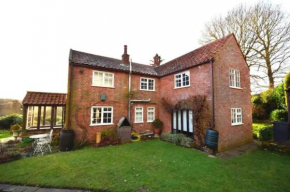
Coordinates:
(259,125)
(155,165)
(4,134)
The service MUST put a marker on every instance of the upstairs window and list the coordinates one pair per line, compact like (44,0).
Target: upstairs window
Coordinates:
(147,84)
(182,79)
(150,114)
(103,79)
(139,115)
(235,80)
(236,116)
(101,115)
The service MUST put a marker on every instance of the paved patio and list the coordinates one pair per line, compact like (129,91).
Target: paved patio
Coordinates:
(18,188)
(238,151)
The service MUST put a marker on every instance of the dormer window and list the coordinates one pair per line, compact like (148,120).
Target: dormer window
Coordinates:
(235,78)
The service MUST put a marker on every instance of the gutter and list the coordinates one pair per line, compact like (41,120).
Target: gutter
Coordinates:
(140,101)
(212,96)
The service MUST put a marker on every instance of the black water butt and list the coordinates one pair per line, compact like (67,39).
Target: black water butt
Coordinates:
(66,140)
(211,138)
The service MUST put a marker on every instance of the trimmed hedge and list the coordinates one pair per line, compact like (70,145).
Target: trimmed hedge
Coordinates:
(266,133)
(177,139)
(279,115)
(8,120)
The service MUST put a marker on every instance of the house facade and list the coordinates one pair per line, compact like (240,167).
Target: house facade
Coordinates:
(101,90)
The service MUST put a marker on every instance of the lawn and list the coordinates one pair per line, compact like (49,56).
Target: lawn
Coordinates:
(4,134)
(259,125)
(153,165)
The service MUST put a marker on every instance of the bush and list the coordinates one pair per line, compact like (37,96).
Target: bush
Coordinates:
(157,123)
(177,139)
(286,85)
(109,137)
(8,120)
(266,133)
(279,115)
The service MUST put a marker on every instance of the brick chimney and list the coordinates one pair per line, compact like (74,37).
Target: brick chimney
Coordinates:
(156,60)
(125,56)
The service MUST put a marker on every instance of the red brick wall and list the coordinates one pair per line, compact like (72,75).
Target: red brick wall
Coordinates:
(227,98)
(199,85)
(84,96)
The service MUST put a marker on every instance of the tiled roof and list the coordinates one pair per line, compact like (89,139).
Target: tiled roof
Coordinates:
(41,98)
(82,58)
(198,56)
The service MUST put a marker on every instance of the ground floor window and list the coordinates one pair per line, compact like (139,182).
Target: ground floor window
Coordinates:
(236,116)
(182,122)
(101,115)
(138,114)
(150,114)
(44,117)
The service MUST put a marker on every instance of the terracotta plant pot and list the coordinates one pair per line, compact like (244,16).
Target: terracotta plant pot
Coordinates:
(156,131)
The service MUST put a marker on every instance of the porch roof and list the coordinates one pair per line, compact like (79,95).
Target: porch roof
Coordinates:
(42,98)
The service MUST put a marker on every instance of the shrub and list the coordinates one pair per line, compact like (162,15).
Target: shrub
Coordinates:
(157,123)
(15,127)
(286,85)
(266,133)
(109,137)
(177,139)
(279,115)
(8,120)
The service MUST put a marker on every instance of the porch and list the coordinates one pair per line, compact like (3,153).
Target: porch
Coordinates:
(43,111)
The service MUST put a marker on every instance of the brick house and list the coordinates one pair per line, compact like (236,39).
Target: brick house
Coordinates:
(98,92)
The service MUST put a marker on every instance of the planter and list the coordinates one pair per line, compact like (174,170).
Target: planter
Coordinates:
(281,132)
(211,138)
(66,142)
(157,131)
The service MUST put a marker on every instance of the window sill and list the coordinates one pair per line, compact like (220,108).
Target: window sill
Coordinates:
(237,124)
(236,88)
(147,90)
(101,124)
(103,86)
(181,87)
(139,122)
(149,121)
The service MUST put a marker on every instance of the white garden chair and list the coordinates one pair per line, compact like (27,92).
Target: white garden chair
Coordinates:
(43,145)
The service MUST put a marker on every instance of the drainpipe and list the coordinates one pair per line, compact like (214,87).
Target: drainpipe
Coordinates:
(212,95)
(129,96)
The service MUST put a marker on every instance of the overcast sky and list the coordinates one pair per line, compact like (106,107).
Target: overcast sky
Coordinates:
(36,36)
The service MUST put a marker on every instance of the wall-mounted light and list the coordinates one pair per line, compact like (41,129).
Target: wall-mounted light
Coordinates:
(81,70)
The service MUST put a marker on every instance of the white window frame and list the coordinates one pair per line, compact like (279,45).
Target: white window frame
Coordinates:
(235,113)
(136,121)
(150,109)
(104,72)
(102,107)
(182,86)
(235,78)
(147,84)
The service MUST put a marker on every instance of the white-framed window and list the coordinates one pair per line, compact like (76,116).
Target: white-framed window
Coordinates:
(138,114)
(237,118)
(101,115)
(147,84)
(181,80)
(150,114)
(103,79)
(235,78)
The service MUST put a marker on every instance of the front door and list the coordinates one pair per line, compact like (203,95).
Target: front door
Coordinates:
(182,122)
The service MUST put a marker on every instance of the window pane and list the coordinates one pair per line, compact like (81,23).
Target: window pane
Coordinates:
(151,84)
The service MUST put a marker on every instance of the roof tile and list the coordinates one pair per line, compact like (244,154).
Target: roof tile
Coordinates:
(41,98)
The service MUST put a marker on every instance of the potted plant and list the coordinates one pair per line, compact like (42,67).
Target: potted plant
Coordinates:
(16,129)
(157,127)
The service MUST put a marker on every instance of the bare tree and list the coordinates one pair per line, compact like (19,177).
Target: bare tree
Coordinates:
(263,32)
